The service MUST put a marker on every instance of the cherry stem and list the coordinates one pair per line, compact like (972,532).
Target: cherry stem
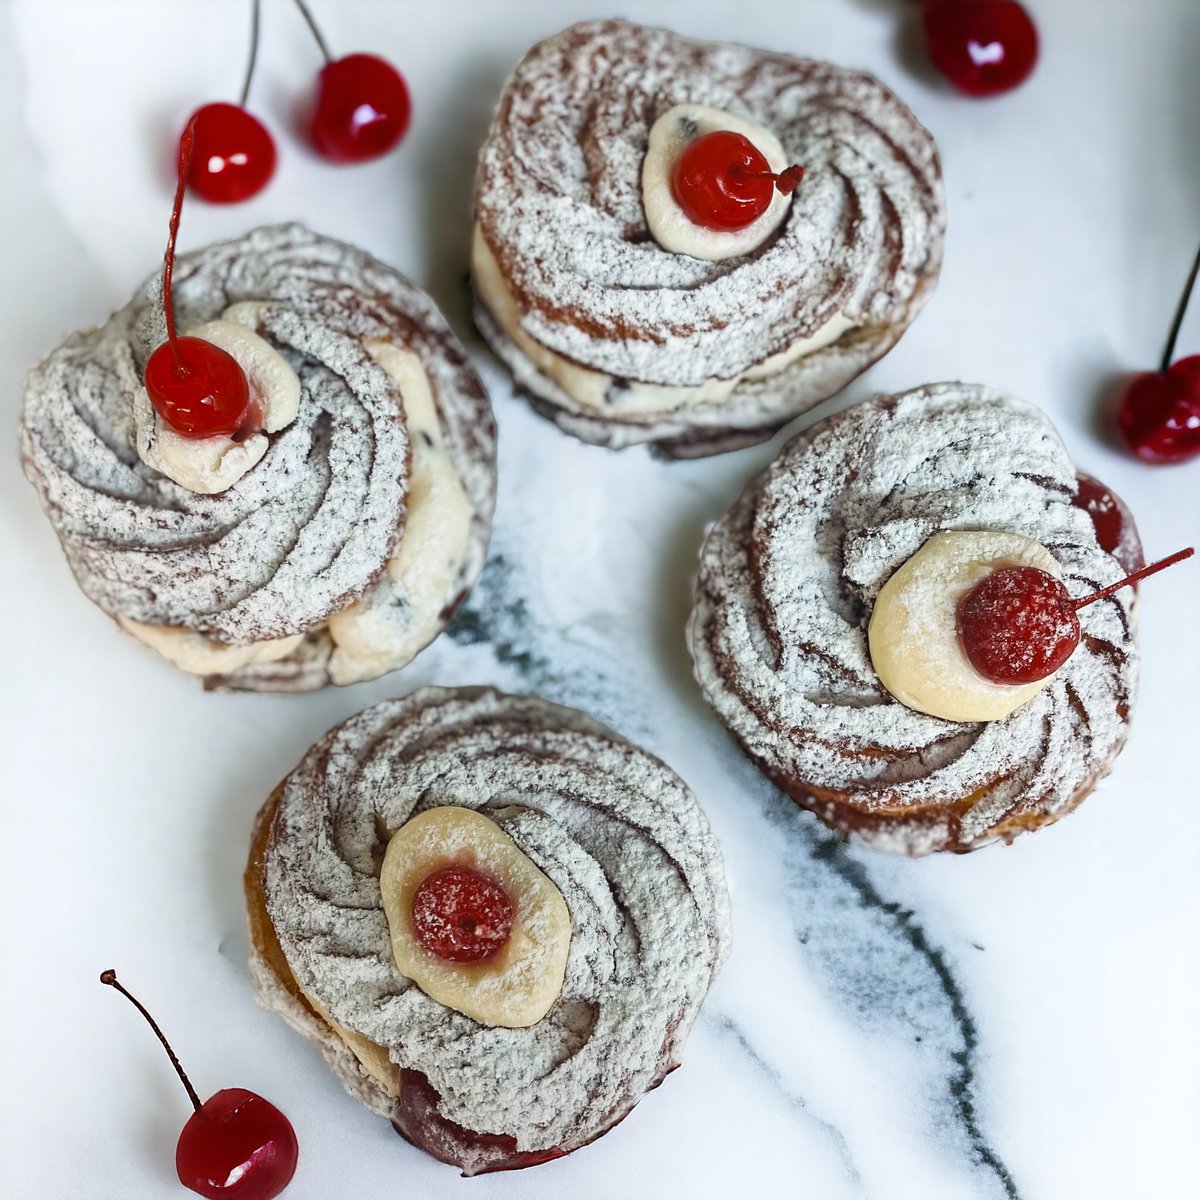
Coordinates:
(1180,312)
(316,32)
(110,978)
(787,181)
(186,142)
(1152,569)
(255,15)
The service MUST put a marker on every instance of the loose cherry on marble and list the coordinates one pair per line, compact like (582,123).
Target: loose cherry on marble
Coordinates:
(362,107)
(1019,624)
(236,1145)
(983,47)
(234,155)
(197,388)
(1159,414)
(722,181)
(461,915)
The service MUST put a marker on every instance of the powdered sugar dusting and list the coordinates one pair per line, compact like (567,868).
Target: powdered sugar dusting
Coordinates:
(788,579)
(616,831)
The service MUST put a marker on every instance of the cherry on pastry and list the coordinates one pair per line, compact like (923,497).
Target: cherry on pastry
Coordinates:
(197,388)
(234,155)
(236,1145)
(983,47)
(1019,624)
(1159,414)
(722,181)
(461,915)
(362,107)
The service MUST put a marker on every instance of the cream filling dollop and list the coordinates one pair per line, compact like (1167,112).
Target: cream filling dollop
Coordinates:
(401,612)
(913,634)
(595,389)
(213,464)
(669,225)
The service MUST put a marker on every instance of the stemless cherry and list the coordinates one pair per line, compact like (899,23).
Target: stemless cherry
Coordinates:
(1019,624)
(1116,532)
(197,388)
(722,181)
(983,47)
(461,915)
(234,155)
(1159,415)
(235,1145)
(362,107)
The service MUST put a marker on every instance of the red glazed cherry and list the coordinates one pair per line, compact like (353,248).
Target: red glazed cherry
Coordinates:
(197,388)
(982,46)
(1116,532)
(235,1145)
(234,155)
(722,181)
(1019,624)
(362,107)
(461,916)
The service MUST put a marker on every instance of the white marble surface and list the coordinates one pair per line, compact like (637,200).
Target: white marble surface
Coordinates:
(1020,1022)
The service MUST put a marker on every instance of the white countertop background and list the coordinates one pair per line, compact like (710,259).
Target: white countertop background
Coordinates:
(1020,1022)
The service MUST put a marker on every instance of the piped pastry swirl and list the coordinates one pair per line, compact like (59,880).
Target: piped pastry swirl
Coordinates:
(621,341)
(312,528)
(787,583)
(618,834)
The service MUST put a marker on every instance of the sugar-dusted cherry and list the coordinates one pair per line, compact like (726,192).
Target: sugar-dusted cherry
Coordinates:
(983,47)
(234,156)
(461,915)
(1019,624)
(1116,532)
(723,182)
(197,388)
(235,1145)
(362,107)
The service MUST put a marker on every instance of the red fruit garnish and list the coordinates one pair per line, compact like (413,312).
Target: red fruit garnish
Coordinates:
(722,181)
(983,47)
(1019,624)
(362,108)
(234,154)
(1116,532)
(461,916)
(196,387)
(235,1145)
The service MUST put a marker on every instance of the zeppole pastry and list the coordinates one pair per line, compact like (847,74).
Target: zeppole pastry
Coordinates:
(688,243)
(317,518)
(495,918)
(898,621)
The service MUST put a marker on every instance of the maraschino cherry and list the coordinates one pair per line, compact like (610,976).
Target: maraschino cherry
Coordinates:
(1159,414)
(362,106)
(461,915)
(1019,624)
(983,47)
(722,181)
(197,388)
(236,1145)
(234,155)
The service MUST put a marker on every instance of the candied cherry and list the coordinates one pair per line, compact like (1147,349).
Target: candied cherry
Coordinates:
(1116,533)
(362,107)
(235,1145)
(983,47)
(197,388)
(723,182)
(461,915)
(234,155)
(1019,624)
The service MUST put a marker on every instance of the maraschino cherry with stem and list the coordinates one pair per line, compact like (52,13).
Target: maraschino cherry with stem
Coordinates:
(1159,414)
(723,182)
(362,107)
(234,156)
(983,47)
(1019,624)
(235,1145)
(197,388)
